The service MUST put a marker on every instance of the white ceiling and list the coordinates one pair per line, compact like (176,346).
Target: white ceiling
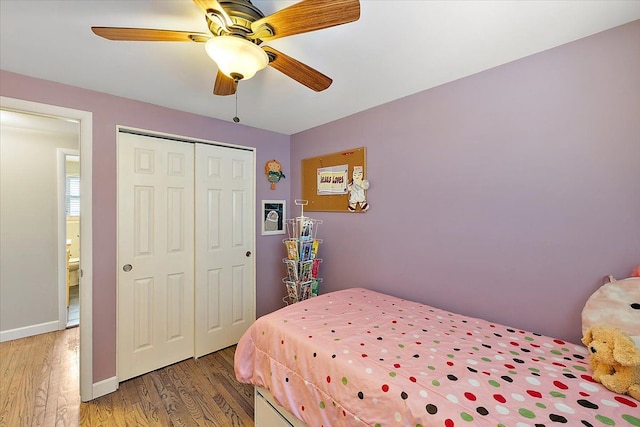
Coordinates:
(39,122)
(396,48)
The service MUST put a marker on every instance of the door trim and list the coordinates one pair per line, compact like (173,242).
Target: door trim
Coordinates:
(86,227)
(178,138)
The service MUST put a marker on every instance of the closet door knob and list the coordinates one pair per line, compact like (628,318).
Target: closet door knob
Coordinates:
(248,254)
(127,268)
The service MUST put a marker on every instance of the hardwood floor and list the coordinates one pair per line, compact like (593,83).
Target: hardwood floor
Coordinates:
(39,387)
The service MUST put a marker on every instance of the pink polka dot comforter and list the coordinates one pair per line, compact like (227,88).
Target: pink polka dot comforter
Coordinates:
(360,358)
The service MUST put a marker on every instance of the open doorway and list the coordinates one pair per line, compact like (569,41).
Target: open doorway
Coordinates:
(32,224)
(69,213)
(21,248)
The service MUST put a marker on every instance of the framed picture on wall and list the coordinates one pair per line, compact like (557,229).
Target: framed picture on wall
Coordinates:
(273,215)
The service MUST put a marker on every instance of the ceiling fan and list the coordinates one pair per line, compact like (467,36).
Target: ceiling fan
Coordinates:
(238,29)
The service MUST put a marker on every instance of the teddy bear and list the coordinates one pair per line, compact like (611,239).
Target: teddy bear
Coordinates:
(614,359)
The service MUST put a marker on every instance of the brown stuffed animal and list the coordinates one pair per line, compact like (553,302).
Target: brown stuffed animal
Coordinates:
(615,359)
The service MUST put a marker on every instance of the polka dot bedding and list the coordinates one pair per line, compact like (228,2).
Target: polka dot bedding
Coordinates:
(361,358)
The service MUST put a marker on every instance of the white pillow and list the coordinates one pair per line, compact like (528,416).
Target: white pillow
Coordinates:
(615,304)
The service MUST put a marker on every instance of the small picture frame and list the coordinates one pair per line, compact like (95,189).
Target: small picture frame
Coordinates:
(274,213)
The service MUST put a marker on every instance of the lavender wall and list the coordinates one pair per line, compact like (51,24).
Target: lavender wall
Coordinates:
(109,111)
(506,195)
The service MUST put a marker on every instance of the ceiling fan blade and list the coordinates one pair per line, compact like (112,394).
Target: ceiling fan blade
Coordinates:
(149,35)
(224,85)
(212,8)
(298,71)
(308,15)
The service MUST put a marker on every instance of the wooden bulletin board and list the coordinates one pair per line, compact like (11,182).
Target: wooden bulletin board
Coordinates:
(333,202)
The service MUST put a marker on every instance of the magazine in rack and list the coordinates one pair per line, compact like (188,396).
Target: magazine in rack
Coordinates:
(302,262)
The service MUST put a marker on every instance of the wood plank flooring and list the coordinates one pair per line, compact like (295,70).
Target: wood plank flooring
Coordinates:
(39,387)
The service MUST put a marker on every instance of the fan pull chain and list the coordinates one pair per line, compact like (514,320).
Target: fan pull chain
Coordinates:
(236,119)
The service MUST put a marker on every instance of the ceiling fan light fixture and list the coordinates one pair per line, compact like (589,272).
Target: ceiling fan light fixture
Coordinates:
(236,57)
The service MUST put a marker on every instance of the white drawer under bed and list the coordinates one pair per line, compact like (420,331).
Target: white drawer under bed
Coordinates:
(269,414)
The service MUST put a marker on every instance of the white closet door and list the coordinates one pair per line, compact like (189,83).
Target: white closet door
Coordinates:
(225,230)
(156,240)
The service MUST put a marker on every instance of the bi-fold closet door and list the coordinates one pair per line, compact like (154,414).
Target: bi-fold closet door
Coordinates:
(186,282)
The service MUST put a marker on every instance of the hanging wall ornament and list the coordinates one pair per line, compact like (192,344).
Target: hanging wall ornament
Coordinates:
(273,169)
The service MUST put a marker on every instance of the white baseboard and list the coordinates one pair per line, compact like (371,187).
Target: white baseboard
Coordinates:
(105,387)
(27,331)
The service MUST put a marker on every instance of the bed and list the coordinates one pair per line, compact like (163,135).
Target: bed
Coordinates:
(356,357)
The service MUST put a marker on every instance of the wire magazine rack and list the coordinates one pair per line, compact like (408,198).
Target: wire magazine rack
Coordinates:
(302,261)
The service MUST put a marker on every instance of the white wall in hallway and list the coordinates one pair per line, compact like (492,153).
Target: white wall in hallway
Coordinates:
(28,225)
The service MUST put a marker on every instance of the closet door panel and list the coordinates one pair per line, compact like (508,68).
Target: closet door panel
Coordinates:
(186,236)
(225,245)
(155,253)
